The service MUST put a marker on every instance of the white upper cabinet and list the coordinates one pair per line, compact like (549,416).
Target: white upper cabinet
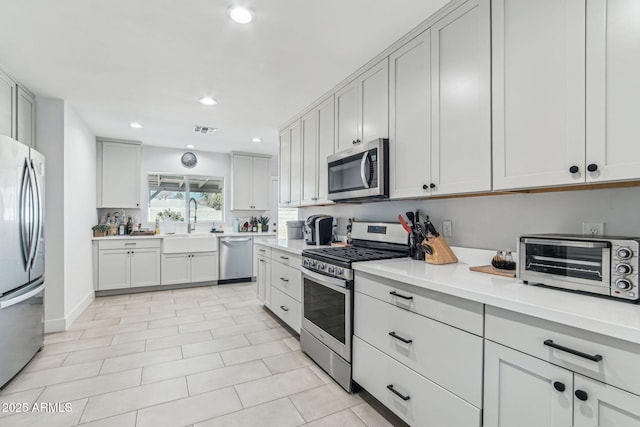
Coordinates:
(461,101)
(251,178)
(317,145)
(410,118)
(290,174)
(613,90)
(362,107)
(25,117)
(538,92)
(7,105)
(118,174)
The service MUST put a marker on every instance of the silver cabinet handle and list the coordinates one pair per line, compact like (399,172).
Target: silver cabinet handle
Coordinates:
(128,244)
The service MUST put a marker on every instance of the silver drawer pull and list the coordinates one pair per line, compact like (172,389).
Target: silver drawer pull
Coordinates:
(284,280)
(284,307)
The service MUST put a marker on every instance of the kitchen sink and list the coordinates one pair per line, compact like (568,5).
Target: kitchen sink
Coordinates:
(180,243)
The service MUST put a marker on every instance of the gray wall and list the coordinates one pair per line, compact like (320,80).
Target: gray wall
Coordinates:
(492,222)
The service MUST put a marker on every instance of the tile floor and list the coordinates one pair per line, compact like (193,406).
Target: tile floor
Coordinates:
(210,356)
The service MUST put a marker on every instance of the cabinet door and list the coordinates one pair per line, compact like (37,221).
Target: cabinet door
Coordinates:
(374,102)
(346,112)
(25,117)
(261,183)
(410,118)
(520,390)
(204,267)
(113,269)
(538,60)
(309,157)
(461,100)
(120,175)
(145,267)
(175,269)
(7,105)
(296,166)
(613,89)
(261,280)
(242,170)
(284,176)
(326,138)
(605,406)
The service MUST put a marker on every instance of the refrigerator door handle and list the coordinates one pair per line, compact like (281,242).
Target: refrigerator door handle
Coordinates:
(32,213)
(25,238)
(22,297)
(38,231)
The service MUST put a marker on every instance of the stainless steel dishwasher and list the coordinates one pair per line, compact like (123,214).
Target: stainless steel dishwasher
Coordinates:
(236,259)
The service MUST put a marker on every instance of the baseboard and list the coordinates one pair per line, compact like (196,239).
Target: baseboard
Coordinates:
(77,311)
(55,325)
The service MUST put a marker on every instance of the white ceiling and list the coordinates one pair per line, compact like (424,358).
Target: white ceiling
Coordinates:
(118,61)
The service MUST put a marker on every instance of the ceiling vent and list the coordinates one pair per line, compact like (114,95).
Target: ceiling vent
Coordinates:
(204,129)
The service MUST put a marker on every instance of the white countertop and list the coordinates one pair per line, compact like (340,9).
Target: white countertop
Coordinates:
(162,236)
(292,246)
(608,317)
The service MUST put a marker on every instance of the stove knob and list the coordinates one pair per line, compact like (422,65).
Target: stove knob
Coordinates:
(312,263)
(623,268)
(331,269)
(321,266)
(624,253)
(623,284)
(305,263)
(339,270)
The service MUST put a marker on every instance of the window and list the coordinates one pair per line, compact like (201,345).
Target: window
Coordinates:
(172,193)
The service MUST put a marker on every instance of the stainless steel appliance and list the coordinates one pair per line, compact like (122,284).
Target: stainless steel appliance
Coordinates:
(21,255)
(361,172)
(236,259)
(318,230)
(327,293)
(603,265)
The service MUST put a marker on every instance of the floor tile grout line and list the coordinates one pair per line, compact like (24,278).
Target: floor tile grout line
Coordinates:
(296,409)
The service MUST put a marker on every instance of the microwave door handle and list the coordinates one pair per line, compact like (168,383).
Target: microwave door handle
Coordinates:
(24,231)
(363,170)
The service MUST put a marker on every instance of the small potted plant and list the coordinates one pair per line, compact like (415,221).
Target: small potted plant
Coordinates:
(100,230)
(264,220)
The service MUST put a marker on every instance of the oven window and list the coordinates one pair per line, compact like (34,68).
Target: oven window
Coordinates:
(325,308)
(574,262)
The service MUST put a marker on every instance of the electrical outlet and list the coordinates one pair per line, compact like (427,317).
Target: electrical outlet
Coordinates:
(447,228)
(592,228)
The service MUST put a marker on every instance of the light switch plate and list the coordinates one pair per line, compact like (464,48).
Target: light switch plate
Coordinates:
(447,228)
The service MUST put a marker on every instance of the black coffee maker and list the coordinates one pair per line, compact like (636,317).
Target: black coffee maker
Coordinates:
(318,230)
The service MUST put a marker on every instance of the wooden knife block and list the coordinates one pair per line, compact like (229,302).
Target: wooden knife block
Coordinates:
(442,253)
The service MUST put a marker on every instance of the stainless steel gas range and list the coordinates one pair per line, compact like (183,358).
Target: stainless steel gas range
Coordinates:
(327,293)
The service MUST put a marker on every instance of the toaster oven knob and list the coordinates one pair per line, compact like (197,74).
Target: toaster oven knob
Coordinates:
(624,253)
(623,284)
(623,268)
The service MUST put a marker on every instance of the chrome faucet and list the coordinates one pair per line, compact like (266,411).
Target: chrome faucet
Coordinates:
(192,227)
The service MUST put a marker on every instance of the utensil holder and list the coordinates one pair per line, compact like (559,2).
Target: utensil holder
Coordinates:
(442,253)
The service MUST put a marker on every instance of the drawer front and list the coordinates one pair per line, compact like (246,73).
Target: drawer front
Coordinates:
(262,250)
(286,258)
(428,404)
(461,313)
(129,244)
(620,364)
(449,357)
(287,279)
(286,308)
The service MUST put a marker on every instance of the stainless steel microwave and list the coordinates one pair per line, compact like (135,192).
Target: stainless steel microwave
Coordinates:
(360,173)
(604,265)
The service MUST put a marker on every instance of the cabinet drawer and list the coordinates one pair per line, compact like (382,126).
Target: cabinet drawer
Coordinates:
(129,244)
(286,258)
(428,404)
(450,357)
(620,364)
(287,279)
(261,250)
(454,311)
(286,308)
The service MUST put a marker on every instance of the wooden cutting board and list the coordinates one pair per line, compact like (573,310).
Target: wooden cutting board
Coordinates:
(489,269)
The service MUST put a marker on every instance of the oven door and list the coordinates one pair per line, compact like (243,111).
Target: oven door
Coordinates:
(326,311)
(359,172)
(570,264)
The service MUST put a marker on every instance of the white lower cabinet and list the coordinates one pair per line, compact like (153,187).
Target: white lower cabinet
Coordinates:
(263,281)
(128,264)
(411,396)
(605,405)
(189,268)
(145,267)
(113,269)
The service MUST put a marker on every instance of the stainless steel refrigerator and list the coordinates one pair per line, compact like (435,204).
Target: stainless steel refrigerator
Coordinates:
(22,284)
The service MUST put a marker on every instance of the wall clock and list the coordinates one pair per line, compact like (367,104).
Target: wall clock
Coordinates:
(189,160)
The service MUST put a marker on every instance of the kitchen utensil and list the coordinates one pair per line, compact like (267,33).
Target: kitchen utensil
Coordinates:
(491,270)
(404,223)
(411,218)
(427,248)
(430,228)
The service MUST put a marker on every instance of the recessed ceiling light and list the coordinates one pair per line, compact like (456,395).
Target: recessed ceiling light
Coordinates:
(240,14)
(207,100)
(136,125)
(190,146)
(256,139)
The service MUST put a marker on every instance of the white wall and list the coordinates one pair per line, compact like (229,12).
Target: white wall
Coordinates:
(495,222)
(70,200)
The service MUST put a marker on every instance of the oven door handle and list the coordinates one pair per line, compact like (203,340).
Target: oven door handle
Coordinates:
(337,284)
